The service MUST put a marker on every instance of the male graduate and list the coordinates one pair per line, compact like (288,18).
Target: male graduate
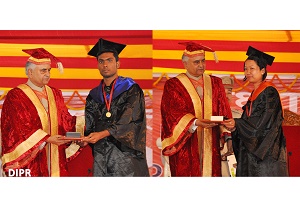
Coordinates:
(115,118)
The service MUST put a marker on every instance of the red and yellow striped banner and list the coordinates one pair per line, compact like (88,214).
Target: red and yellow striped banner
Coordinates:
(71,47)
(230,46)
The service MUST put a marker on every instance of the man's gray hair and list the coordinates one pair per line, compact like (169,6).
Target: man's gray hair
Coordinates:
(28,66)
(184,58)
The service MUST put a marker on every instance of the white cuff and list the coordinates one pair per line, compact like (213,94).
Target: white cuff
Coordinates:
(42,145)
(193,127)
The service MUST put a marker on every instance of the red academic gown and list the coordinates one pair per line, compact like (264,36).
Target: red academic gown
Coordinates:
(25,125)
(198,153)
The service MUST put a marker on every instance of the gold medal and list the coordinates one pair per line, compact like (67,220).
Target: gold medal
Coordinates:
(108,114)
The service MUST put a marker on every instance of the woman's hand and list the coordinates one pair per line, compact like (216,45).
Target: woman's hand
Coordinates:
(229,124)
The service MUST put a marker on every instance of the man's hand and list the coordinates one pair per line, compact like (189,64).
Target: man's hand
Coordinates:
(205,124)
(95,136)
(57,139)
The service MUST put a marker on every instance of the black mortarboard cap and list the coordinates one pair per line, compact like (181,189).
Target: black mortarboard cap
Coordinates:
(254,52)
(106,46)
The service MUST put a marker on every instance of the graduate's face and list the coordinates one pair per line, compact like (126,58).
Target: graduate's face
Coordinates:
(107,64)
(252,72)
(195,65)
(40,74)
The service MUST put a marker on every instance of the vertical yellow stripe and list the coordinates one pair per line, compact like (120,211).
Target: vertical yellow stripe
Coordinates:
(55,171)
(193,94)
(207,155)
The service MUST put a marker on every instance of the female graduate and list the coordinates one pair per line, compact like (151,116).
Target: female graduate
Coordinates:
(258,140)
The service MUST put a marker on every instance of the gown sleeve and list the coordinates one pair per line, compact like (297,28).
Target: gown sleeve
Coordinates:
(177,113)
(129,127)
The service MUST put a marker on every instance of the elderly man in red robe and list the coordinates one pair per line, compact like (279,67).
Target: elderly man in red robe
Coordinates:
(189,138)
(34,121)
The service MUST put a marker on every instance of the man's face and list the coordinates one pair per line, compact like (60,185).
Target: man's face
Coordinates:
(40,75)
(107,64)
(195,65)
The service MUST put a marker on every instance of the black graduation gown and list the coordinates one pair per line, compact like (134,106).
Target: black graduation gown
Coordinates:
(123,153)
(258,141)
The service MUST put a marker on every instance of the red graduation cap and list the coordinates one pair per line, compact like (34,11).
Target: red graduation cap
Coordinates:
(42,56)
(193,49)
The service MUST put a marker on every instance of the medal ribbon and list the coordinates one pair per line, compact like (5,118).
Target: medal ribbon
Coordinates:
(107,103)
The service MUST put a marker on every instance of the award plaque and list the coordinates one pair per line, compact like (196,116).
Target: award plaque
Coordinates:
(213,119)
(72,136)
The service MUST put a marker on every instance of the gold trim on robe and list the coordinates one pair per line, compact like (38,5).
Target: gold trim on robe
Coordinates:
(24,146)
(54,153)
(177,130)
(38,105)
(207,147)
